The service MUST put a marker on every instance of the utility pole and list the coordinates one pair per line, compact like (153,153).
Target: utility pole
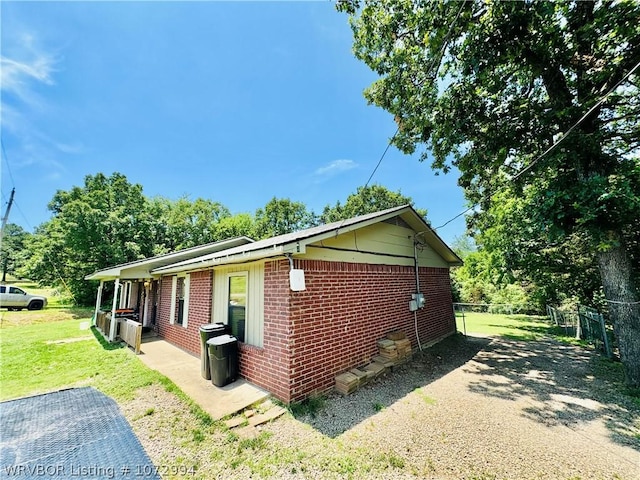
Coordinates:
(6,213)
(4,222)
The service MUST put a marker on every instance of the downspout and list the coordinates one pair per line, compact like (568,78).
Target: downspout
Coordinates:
(415,312)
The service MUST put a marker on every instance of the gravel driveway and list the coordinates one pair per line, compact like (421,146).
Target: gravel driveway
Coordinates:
(490,408)
(476,408)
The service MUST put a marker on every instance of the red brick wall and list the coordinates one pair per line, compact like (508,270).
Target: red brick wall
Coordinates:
(311,336)
(268,367)
(200,298)
(347,307)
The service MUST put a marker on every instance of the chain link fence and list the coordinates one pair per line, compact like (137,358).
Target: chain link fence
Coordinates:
(585,323)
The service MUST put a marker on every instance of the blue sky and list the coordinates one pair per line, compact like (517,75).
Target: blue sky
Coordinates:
(236,102)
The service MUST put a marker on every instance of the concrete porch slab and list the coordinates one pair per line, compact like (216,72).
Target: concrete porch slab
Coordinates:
(184,370)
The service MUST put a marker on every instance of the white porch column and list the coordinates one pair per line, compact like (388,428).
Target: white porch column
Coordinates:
(147,293)
(114,322)
(124,298)
(98,301)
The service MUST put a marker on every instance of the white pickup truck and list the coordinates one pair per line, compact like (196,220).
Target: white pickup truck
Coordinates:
(14,298)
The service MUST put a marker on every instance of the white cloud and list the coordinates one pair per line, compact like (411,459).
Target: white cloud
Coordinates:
(335,167)
(14,71)
(26,65)
(23,68)
(75,148)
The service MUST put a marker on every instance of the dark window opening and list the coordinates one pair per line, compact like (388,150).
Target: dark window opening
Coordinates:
(237,306)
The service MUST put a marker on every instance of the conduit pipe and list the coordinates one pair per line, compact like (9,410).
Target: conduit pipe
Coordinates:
(415,312)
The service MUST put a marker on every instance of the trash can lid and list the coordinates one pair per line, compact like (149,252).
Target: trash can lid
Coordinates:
(212,327)
(221,340)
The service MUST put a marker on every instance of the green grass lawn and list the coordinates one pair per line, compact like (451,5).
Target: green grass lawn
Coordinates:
(517,327)
(63,353)
(55,348)
(38,357)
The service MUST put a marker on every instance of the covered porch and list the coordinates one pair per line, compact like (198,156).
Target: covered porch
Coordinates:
(135,287)
(133,305)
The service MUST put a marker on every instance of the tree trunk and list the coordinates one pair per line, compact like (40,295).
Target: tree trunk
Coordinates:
(617,280)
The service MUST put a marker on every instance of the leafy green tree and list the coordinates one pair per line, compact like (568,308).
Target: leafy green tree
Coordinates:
(463,245)
(554,270)
(46,255)
(239,225)
(281,216)
(12,252)
(191,223)
(489,87)
(366,200)
(105,222)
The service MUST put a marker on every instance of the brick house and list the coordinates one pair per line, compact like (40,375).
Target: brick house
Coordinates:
(309,305)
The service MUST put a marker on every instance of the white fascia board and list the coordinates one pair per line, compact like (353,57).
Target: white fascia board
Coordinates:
(136,273)
(110,274)
(240,257)
(146,265)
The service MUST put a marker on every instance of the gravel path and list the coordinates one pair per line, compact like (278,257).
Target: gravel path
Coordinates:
(475,409)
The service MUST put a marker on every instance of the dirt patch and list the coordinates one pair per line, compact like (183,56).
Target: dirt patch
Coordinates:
(69,340)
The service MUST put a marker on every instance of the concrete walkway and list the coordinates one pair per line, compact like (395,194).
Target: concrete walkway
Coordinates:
(184,370)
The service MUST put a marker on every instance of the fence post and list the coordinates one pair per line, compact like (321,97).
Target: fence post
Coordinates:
(579,326)
(605,339)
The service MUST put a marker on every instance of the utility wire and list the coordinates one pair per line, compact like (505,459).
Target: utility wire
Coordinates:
(433,74)
(621,303)
(23,215)
(382,157)
(575,125)
(48,258)
(6,159)
(452,219)
(556,143)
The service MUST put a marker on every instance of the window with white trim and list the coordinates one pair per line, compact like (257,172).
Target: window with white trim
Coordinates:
(237,286)
(238,301)
(180,300)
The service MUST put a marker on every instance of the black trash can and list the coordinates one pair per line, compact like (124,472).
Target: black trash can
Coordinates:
(208,331)
(223,356)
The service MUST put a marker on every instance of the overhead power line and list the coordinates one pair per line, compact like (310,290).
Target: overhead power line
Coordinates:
(575,125)
(382,157)
(431,73)
(6,159)
(556,143)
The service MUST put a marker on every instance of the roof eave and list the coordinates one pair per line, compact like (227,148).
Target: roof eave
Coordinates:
(241,257)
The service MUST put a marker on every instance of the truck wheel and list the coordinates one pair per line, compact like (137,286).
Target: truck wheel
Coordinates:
(35,305)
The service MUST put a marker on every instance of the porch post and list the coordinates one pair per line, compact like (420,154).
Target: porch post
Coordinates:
(147,293)
(98,302)
(124,298)
(114,322)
